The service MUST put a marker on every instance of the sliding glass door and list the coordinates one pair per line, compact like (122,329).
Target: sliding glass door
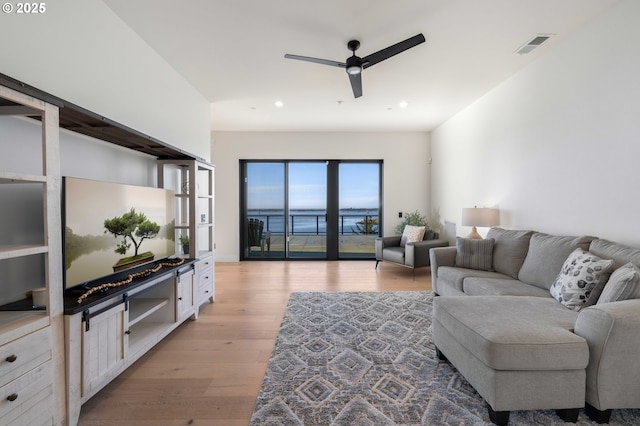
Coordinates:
(359,204)
(310,209)
(264,223)
(307,189)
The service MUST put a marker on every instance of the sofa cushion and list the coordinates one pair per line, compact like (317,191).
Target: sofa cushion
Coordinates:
(546,255)
(514,332)
(474,253)
(581,279)
(621,254)
(501,287)
(623,284)
(412,234)
(509,250)
(454,276)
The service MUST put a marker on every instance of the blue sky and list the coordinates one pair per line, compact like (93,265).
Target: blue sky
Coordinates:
(359,185)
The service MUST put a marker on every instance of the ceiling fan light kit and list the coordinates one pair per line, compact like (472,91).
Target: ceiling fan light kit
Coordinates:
(354,65)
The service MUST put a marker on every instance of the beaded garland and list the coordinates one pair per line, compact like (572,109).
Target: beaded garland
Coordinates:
(128,280)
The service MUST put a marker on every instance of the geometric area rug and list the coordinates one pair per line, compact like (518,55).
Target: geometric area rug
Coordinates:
(367,358)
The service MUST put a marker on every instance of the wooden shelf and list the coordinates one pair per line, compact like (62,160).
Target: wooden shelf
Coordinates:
(140,308)
(15,324)
(146,334)
(9,177)
(8,252)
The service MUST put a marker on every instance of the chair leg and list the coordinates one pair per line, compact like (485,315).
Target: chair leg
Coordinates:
(569,415)
(598,416)
(441,356)
(377,261)
(500,418)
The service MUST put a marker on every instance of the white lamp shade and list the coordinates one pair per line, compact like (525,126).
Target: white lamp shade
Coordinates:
(482,217)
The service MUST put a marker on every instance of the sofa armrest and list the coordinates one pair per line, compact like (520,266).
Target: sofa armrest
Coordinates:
(382,242)
(612,331)
(417,254)
(440,256)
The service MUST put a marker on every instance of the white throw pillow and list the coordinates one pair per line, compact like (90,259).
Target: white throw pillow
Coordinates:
(581,279)
(411,234)
(623,284)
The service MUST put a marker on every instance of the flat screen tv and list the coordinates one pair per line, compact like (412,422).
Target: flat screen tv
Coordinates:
(111,227)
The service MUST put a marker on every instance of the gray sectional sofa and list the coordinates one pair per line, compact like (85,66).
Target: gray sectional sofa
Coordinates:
(554,321)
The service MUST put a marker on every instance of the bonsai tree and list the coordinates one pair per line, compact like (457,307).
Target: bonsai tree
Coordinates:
(414,218)
(131,226)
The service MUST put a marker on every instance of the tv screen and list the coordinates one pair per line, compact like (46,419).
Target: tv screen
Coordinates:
(110,227)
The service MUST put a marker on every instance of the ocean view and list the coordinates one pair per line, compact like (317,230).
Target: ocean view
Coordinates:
(312,222)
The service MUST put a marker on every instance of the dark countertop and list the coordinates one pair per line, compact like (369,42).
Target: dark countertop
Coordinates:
(71,295)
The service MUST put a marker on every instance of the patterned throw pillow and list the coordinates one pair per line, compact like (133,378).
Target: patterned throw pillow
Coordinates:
(474,253)
(581,279)
(623,284)
(411,234)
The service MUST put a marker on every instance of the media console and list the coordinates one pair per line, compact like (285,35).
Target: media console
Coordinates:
(108,330)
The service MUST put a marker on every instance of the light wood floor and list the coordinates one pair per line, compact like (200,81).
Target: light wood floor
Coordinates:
(209,371)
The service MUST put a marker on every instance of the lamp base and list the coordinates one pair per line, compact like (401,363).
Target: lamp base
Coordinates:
(474,234)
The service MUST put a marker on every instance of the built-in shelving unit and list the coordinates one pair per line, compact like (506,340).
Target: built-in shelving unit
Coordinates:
(193,182)
(70,357)
(32,337)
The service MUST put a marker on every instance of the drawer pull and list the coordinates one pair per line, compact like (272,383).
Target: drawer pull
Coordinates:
(12,397)
(127,332)
(12,358)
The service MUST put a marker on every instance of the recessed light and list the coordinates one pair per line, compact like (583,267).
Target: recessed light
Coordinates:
(279,104)
(403,104)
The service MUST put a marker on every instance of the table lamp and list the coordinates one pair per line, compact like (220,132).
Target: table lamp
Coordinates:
(484,217)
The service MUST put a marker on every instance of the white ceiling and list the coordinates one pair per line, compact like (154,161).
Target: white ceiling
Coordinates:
(232,51)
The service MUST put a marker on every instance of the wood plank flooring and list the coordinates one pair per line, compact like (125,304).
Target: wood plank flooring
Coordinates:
(209,371)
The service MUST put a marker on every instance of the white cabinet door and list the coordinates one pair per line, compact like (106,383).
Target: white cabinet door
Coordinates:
(184,285)
(103,349)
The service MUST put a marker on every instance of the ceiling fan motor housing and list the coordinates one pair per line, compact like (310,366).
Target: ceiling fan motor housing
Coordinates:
(354,65)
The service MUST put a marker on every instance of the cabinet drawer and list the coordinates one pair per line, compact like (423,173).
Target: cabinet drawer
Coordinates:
(30,394)
(205,290)
(205,271)
(24,354)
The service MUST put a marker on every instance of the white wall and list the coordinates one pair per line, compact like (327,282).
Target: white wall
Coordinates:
(82,52)
(406,170)
(557,146)
(80,156)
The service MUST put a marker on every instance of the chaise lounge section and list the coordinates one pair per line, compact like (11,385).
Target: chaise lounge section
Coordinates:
(527,339)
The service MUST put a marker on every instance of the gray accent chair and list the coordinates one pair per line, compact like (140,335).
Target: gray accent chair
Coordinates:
(412,255)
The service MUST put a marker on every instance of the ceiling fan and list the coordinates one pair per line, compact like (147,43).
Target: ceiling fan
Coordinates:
(354,64)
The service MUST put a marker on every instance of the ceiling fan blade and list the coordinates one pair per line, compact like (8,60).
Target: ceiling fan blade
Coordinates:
(316,60)
(356,84)
(390,51)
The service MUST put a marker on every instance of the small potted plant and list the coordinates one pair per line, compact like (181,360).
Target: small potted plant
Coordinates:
(184,241)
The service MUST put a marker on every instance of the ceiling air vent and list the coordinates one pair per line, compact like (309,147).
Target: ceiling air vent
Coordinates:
(532,44)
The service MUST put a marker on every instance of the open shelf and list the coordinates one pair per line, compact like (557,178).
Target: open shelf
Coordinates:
(145,334)
(140,308)
(8,252)
(10,177)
